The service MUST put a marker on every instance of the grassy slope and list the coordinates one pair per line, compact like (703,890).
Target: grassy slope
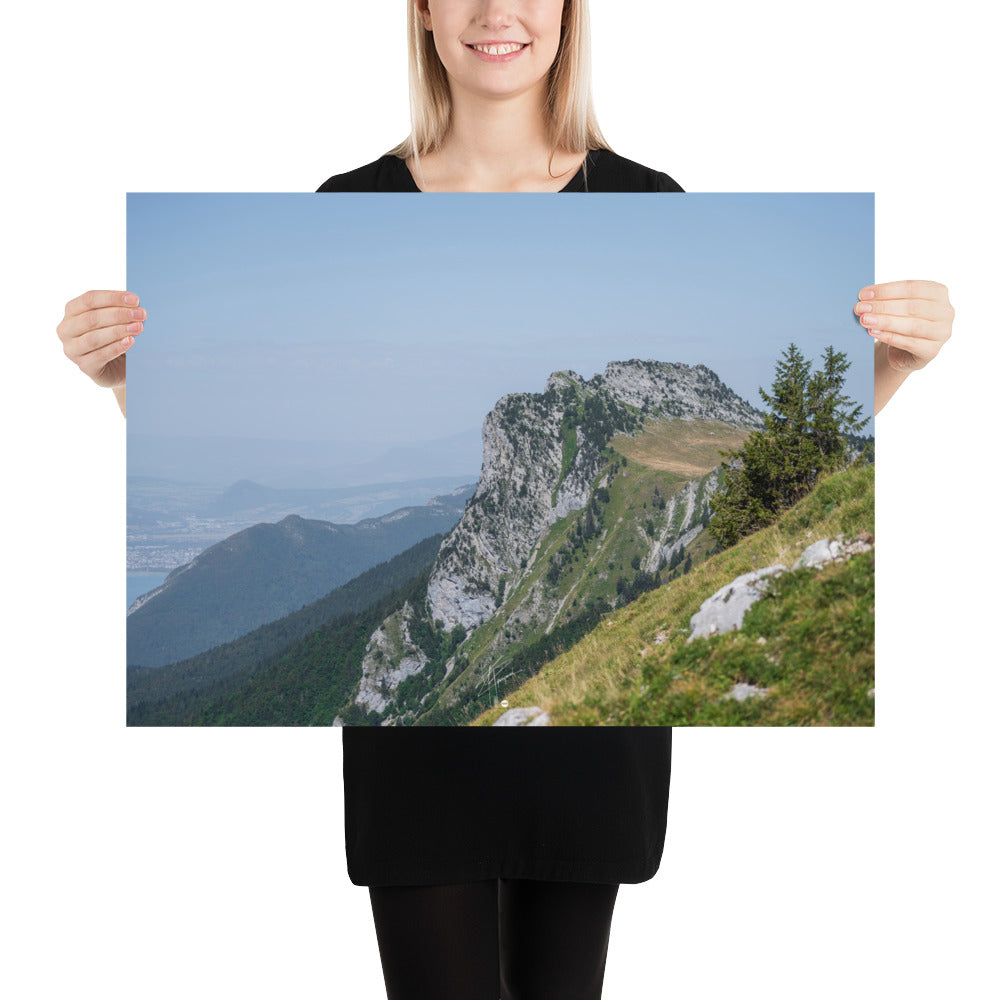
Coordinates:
(688,448)
(817,659)
(664,456)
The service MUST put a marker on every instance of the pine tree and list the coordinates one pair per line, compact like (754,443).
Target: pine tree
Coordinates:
(833,414)
(804,435)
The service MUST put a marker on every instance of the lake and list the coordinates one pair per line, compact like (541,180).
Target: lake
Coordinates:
(137,584)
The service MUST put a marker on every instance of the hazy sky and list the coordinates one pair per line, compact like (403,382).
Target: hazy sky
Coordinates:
(389,320)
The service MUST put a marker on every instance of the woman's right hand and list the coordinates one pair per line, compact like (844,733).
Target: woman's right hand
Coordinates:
(96,331)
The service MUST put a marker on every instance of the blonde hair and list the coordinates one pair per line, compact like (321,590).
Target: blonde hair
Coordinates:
(571,120)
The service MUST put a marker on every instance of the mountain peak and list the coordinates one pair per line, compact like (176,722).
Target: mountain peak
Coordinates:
(562,379)
(541,453)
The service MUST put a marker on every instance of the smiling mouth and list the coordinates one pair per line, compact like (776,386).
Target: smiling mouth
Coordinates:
(503,49)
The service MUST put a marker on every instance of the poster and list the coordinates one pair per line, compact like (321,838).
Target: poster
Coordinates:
(461,462)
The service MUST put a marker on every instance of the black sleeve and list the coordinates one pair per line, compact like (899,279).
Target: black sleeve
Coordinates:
(608,171)
(664,182)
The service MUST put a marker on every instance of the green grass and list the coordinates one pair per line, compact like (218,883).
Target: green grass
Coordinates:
(587,581)
(570,447)
(817,658)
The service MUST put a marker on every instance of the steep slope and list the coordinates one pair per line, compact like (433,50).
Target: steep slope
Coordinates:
(561,527)
(298,670)
(810,643)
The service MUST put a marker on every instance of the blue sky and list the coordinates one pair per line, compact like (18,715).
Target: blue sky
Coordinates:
(382,320)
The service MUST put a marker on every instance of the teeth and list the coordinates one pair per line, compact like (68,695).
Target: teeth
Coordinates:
(499,50)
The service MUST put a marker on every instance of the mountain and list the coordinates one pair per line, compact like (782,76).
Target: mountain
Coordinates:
(588,490)
(170,523)
(270,504)
(294,671)
(267,571)
(803,656)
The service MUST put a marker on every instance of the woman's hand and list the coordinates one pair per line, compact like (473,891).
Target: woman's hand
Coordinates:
(912,318)
(909,320)
(96,331)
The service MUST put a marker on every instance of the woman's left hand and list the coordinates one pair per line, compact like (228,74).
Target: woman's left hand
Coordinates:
(912,318)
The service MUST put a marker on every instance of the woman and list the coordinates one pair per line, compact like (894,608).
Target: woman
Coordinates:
(494,857)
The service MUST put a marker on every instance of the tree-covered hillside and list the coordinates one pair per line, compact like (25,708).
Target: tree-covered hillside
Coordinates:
(179,693)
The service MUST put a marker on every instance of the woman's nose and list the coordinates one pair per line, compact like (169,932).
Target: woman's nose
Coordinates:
(496,13)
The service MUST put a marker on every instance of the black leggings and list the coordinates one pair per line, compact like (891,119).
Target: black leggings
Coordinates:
(515,939)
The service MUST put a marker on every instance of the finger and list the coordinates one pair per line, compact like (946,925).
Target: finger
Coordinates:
(95,340)
(98,319)
(929,309)
(909,326)
(923,350)
(912,289)
(95,361)
(96,299)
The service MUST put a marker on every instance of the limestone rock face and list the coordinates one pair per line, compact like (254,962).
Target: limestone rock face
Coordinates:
(682,507)
(390,657)
(541,454)
(519,496)
(676,390)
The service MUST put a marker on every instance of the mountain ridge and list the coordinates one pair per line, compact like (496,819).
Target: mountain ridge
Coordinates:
(264,572)
(552,490)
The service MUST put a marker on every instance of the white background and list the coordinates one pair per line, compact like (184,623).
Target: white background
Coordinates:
(159,863)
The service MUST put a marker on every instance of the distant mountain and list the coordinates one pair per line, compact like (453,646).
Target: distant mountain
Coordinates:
(297,670)
(246,496)
(162,505)
(267,571)
(588,491)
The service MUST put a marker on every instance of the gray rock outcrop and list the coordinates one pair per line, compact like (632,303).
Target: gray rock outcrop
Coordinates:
(518,716)
(742,691)
(543,454)
(828,550)
(531,716)
(524,486)
(724,610)
(390,657)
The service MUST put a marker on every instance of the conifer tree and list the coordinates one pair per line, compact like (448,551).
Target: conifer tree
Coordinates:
(833,414)
(804,435)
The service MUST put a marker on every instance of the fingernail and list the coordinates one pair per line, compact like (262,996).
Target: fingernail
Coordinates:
(130,300)
(127,342)
(863,307)
(133,327)
(866,293)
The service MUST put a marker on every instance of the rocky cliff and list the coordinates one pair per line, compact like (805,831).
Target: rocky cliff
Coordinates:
(556,518)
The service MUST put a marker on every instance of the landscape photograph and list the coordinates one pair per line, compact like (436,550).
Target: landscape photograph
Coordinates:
(500,460)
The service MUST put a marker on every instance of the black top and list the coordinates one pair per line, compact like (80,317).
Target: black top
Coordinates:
(605,171)
(426,806)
